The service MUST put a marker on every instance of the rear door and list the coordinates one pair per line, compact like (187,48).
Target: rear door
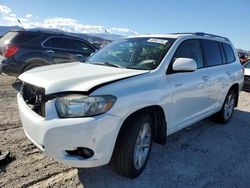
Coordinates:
(189,90)
(219,72)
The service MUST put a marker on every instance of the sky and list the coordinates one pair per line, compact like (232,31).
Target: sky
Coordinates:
(229,18)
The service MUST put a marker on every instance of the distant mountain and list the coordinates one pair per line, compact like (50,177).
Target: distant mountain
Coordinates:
(243,51)
(101,39)
(6,29)
(89,37)
(109,36)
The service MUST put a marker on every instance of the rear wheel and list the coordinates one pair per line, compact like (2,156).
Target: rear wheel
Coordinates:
(226,112)
(133,146)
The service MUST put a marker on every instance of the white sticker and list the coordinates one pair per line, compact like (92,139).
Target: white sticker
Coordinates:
(160,41)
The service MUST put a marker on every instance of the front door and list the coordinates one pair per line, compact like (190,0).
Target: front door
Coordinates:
(188,90)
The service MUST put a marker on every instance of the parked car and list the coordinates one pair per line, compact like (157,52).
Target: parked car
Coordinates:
(24,50)
(246,76)
(132,92)
(243,59)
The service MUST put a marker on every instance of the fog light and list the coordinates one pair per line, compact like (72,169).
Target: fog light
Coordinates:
(81,151)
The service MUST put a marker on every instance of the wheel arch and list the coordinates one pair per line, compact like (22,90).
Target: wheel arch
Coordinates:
(235,87)
(35,61)
(160,124)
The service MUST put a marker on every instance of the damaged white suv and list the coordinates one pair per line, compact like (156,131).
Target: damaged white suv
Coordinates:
(132,92)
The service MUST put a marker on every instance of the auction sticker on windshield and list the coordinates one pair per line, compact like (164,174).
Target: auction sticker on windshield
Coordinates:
(160,41)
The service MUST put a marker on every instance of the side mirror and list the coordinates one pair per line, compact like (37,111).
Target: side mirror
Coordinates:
(184,65)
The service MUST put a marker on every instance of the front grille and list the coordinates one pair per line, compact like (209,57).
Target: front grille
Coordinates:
(34,98)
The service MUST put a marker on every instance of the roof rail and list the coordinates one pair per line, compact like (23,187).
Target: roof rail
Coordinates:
(204,34)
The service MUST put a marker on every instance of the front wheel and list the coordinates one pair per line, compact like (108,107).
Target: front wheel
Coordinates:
(226,112)
(133,146)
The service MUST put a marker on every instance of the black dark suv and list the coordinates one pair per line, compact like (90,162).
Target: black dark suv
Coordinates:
(24,50)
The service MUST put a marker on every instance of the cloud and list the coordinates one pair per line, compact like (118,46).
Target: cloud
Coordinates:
(122,30)
(4,10)
(12,15)
(29,15)
(65,24)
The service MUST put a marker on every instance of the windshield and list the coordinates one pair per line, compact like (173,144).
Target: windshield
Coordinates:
(247,65)
(133,53)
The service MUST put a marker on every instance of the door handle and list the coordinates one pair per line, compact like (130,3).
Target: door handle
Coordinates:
(50,51)
(205,78)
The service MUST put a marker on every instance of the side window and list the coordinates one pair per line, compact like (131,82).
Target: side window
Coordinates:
(81,46)
(191,49)
(58,42)
(212,51)
(229,53)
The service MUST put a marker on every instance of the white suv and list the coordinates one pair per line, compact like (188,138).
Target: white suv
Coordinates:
(130,93)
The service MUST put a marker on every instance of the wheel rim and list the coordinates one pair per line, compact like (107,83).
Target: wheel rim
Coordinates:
(229,107)
(142,146)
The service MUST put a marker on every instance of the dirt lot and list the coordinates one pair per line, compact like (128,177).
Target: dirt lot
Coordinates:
(204,155)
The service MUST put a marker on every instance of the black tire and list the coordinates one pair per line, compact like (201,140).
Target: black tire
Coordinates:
(123,159)
(223,116)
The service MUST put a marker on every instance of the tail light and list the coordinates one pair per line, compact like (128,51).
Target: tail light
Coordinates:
(10,51)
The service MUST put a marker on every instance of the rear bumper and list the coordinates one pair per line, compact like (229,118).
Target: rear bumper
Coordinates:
(9,67)
(54,135)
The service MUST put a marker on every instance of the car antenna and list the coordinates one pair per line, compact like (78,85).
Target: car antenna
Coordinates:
(20,23)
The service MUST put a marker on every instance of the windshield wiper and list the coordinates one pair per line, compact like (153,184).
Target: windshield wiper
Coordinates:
(108,64)
(112,65)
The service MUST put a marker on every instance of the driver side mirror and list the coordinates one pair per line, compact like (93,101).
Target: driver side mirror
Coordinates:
(184,65)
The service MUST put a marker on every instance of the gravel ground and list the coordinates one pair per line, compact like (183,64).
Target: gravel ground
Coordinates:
(205,155)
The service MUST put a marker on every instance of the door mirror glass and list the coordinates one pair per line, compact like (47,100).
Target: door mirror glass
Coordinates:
(184,65)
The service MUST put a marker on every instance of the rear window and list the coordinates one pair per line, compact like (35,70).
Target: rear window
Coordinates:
(7,37)
(213,53)
(229,53)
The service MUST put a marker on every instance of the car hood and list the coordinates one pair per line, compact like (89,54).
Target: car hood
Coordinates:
(247,71)
(75,76)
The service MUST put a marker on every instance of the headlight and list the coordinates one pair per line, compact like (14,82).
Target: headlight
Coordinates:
(81,105)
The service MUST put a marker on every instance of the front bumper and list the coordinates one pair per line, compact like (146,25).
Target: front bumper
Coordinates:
(54,135)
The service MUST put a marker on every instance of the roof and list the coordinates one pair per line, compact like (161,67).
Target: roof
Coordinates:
(46,31)
(177,35)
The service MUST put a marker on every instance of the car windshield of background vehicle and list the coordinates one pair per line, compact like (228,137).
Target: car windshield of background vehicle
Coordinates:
(247,65)
(133,53)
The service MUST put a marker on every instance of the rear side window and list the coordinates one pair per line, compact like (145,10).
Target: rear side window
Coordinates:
(191,49)
(58,42)
(229,53)
(81,46)
(24,37)
(213,53)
